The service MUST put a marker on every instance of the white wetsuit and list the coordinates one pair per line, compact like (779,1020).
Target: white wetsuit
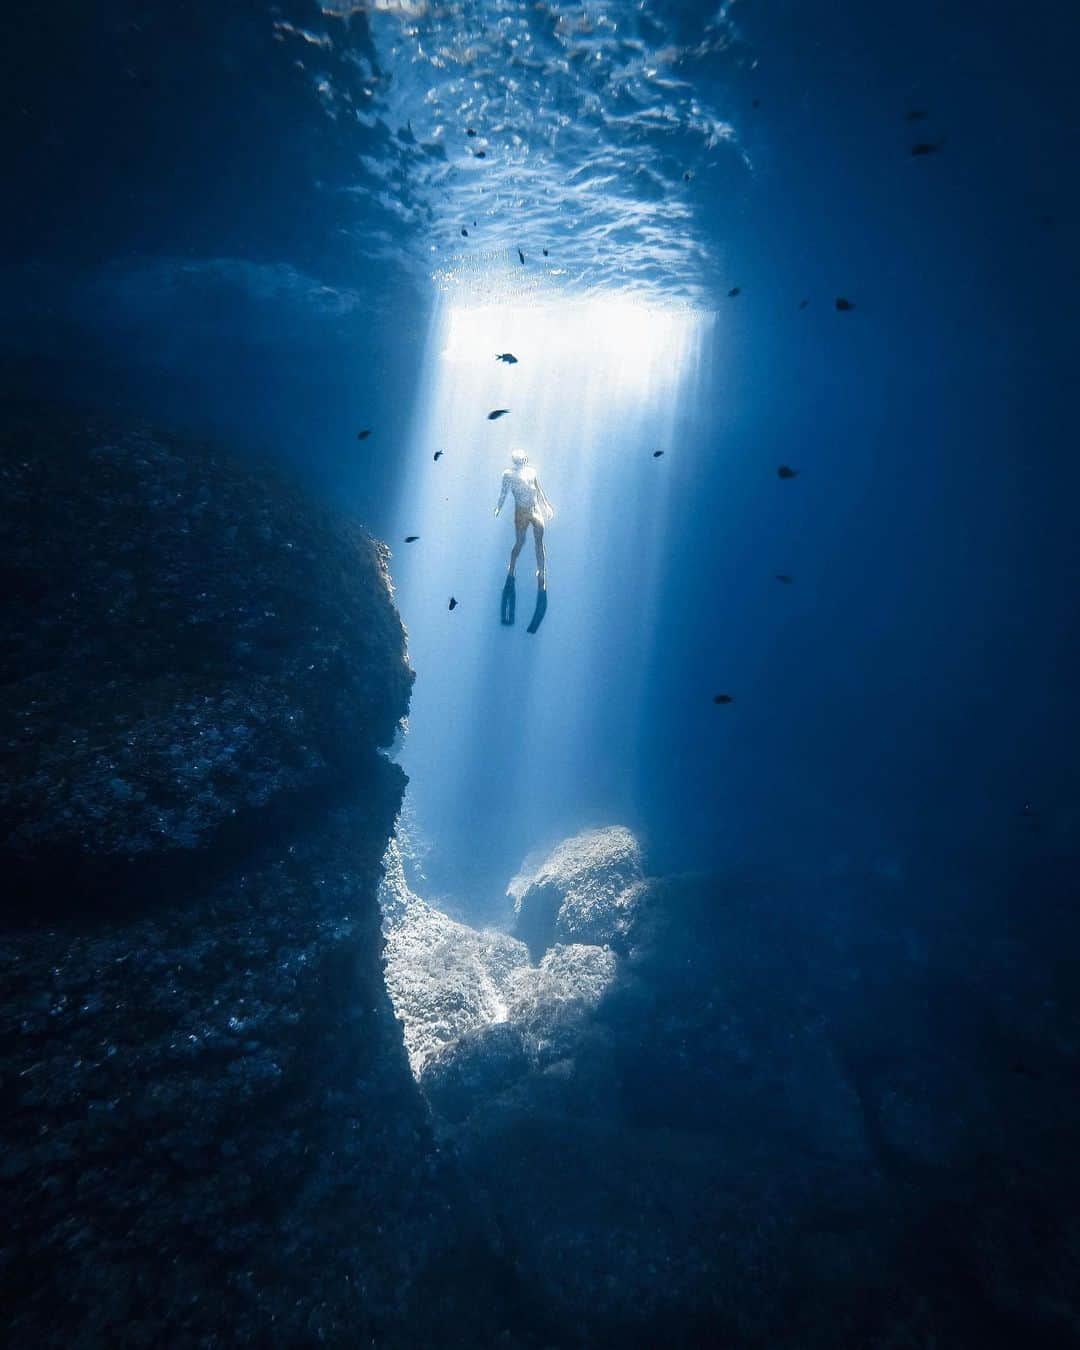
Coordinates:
(522,483)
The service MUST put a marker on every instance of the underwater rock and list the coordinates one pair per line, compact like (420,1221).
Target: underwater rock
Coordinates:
(586,890)
(210,1132)
(444,978)
(196,645)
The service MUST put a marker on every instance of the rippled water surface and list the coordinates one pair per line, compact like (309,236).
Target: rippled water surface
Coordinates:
(536,147)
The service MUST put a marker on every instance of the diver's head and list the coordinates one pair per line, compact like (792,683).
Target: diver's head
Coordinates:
(519,457)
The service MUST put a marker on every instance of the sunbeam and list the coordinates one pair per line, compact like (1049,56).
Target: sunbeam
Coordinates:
(591,395)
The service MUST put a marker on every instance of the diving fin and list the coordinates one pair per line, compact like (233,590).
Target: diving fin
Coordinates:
(539,611)
(509,599)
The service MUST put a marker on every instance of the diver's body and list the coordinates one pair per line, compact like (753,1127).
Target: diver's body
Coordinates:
(530,507)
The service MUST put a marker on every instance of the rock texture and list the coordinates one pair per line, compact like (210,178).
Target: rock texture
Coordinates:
(210,1135)
(586,890)
(187,645)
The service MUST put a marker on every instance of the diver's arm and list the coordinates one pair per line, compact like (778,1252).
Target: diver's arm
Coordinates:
(544,500)
(505,488)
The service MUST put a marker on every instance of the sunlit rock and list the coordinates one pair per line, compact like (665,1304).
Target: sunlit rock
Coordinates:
(585,890)
(444,978)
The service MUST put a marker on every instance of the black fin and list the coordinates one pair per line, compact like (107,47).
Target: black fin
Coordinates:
(509,600)
(539,611)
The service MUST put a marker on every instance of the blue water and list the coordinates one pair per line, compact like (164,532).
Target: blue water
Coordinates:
(248,220)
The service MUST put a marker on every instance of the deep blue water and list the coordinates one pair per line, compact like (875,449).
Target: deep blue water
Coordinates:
(247,220)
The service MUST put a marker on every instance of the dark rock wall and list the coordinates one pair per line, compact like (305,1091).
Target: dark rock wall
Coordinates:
(210,1132)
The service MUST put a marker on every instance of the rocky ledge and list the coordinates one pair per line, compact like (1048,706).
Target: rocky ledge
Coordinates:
(210,1132)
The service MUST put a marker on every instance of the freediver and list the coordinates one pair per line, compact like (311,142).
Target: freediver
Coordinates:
(530,508)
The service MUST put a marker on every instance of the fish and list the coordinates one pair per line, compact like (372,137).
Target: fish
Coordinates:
(927,147)
(470,131)
(784,472)
(496,413)
(522,257)
(464,232)
(363,435)
(411,538)
(688,175)
(785,577)
(723,698)
(480,154)
(452,604)
(755,103)
(735,290)
(915,114)
(544,252)
(843,305)
(1018,1066)
(657,453)
(437,456)
(507,358)
(803,304)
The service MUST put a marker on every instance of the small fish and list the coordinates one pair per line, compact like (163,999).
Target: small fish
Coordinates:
(688,175)
(464,232)
(784,472)
(723,698)
(1025,1070)
(927,147)
(470,131)
(480,154)
(843,305)
(735,290)
(785,578)
(522,257)
(437,456)
(803,304)
(544,252)
(363,435)
(507,358)
(411,538)
(657,453)
(453,604)
(915,114)
(755,103)
(496,413)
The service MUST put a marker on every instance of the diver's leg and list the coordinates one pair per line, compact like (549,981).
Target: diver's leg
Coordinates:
(519,544)
(541,558)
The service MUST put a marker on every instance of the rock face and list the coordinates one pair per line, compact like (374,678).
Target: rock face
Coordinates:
(586,890)
(188,646)
(210,1134)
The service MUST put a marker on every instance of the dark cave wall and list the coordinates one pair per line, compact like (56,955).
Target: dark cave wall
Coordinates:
(210,1132)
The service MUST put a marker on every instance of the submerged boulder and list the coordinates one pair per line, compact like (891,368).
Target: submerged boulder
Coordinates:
(210,1132)
(585,890)
(188,644)
(445,978)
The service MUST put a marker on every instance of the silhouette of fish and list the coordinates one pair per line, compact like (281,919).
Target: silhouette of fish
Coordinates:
(755,103)
(452,604)
(785,577)
(470,131)
(784,472)
(464,232)
(480,154)
(842,305)
(657,453)
(723,698)
(496,413)
(508,358)
(915,114)
(803,304)
(437,456)
(363,435)
(411,538)
(688,175)
(927,147)
(735,290)
(522,257)
(1025,1070)
(544,252)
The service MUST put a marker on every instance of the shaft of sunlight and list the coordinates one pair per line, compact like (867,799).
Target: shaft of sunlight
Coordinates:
(508,730)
